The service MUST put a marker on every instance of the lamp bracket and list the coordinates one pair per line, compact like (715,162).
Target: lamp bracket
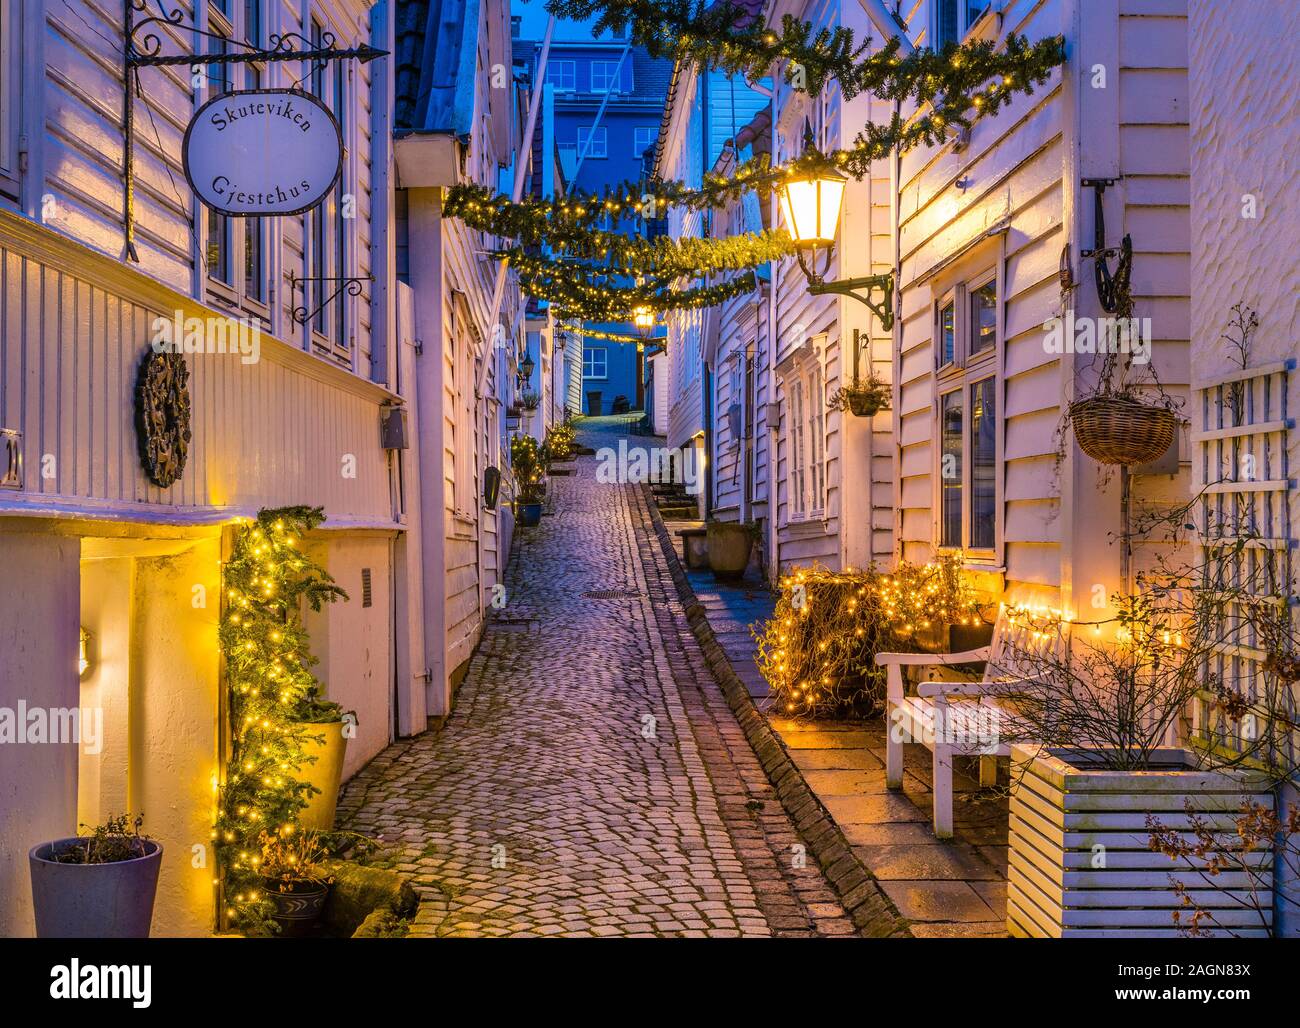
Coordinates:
(883,308)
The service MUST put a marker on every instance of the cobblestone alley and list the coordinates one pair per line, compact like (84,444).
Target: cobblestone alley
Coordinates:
(591,780)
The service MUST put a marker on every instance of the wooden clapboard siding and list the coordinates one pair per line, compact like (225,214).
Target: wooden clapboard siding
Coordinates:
(1155,146)
(75,328)
(1012,173)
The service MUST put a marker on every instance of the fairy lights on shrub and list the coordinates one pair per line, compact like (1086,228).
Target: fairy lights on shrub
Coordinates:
(818,650)
(273,698)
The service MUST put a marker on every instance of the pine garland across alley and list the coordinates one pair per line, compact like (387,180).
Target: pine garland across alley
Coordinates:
(953,86)
(728,37)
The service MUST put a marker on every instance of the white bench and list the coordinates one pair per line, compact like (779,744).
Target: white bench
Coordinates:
(951,715)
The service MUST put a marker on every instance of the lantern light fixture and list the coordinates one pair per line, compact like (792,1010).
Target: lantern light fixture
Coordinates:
(643,318)
(526,367)
(810,204)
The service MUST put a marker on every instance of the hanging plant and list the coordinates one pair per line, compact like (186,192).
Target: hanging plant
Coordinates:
(863,398)
(1128,419)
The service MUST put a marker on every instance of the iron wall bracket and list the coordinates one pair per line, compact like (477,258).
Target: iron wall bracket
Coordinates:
(352,283)
(143,48)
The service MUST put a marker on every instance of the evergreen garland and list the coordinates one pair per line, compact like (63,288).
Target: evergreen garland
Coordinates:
(959,83)
(723,35)
(273,698)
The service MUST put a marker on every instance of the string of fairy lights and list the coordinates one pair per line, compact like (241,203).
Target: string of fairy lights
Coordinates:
(274,698)
(587,272)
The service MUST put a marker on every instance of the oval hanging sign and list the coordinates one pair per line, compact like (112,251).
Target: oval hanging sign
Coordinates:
(262,152)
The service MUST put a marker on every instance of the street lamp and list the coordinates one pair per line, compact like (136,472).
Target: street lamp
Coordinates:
(810,204)
(526,368)
(561,340)
(643,318)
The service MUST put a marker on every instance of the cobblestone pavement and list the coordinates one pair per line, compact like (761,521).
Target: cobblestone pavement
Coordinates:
(591,780)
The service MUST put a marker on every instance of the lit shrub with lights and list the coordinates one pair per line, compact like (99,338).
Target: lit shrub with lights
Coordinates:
(528,463)
(818,650)
(559,443)
(275,702)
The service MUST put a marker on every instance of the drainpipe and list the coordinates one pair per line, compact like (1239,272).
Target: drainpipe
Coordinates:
(773,430)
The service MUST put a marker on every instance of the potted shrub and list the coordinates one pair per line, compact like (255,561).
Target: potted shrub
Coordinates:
(1142,759)
(529,402)
(528,464)
(730,543)
(294,879)
(100,885)
(863,398)
(817,652)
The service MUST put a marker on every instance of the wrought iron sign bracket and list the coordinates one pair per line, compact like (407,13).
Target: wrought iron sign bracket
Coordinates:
(143,33)
(1109,285)
(353,284)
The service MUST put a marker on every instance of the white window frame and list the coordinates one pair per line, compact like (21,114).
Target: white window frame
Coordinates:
(611,73)
(968,368)
(590,354)
(599,147)
(239,76)
(562,76)
(11,46)
(651,134)
(964,20)
(805,435)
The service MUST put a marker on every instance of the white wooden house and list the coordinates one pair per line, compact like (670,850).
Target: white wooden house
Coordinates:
(990,233)
(89,542)
(452,125)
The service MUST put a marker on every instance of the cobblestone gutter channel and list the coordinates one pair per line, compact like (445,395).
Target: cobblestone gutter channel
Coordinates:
(871,911)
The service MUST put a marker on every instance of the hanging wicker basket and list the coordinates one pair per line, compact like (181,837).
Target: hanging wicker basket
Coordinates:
(1117,430)
(865,405)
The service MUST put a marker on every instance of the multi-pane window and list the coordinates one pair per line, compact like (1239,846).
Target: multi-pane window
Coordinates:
(604,76)
(968,466)
(983,460)
(806,440)
(599,141)
(229,238)
(10,65)
(816,442)
(797,457)
(983,327)
(966,338)
(951,482)
(954,18)
(947,333)
(595,362)
(562,75)
(643,137)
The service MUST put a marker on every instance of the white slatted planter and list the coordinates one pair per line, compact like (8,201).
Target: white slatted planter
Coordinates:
(1061,813)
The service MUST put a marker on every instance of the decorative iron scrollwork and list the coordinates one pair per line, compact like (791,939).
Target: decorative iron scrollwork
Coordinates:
(351,284)
(162,416)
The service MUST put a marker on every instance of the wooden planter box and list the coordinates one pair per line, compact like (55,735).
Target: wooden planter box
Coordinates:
(1080,865)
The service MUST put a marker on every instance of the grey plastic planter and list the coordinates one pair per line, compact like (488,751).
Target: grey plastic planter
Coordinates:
(93,901)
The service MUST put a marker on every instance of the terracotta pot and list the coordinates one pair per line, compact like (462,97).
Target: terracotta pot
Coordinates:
(730,543)
(325,774)
(93,901)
